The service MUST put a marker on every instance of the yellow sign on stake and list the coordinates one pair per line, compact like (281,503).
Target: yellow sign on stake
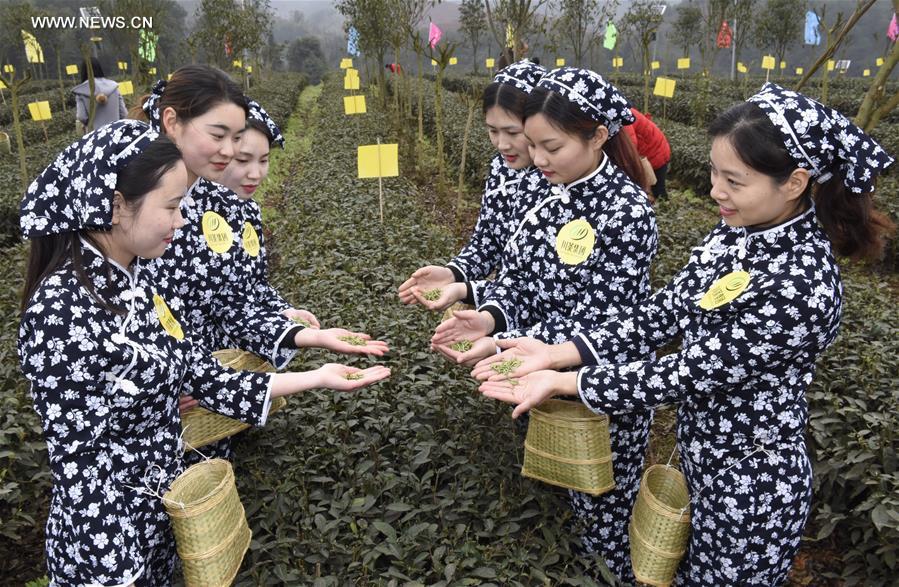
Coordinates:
(831,64)
(768,62)
(126,88)
(434,62)
(152,71)
(879,61)
(866,73)
(560,62)
(655,65)
(618,62)
(800,71)
(742,68)
(71,70)
(378,161)
(350,83)
(664,87)
(346,62)
(354,104)
(9,68)
(2,85)
(454,60)
(683,63)
(40,110)
(490,62)
(237,63)
(783,64)
(123,65)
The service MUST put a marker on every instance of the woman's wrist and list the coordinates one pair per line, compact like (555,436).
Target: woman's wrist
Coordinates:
(566,383)
(562,356)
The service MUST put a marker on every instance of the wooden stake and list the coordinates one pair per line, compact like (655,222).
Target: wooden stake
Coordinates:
(380,183)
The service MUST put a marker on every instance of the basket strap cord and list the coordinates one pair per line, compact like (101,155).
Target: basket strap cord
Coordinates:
(759,446)
(147,489)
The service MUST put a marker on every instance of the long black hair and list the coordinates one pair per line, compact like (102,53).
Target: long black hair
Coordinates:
(48,253)
(855,228)
(565,115)
(94,64)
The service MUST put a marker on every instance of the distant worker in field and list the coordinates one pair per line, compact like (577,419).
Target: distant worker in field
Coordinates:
(655,152)
(394,68)
(109,104)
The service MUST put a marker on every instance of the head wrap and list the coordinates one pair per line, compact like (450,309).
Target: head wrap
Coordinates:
(151,105)
(822,140)
(75,192)
(594,96)
(257,112)
(523,74)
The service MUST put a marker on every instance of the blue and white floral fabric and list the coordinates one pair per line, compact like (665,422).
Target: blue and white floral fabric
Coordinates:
(739,382)
(821,140)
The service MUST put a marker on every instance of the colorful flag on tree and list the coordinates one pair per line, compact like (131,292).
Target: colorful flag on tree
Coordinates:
(147,47)
(893,30)
(611,37)
(725,36)
(352,43)
(33,51)
(434,34)
(812,35)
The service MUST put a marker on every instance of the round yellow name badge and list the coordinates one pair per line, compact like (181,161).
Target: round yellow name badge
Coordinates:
(575,241)
(725,290)
(169,323)
(217,232)
(250,240)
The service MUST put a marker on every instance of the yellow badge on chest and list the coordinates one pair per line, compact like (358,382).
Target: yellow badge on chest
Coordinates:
(250,240)
(725,290)
(575,241)
(217,232)
(169,323)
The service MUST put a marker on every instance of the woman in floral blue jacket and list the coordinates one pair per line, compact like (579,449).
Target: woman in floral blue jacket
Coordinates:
(583,248)
(464,277)
(758,302)
(107,356)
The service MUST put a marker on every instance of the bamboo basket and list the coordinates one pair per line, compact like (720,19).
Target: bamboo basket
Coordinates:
(660,528)
(209,523)
(201,426)
(568,445)
(458,306)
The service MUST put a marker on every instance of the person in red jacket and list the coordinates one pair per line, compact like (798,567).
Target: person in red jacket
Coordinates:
(651,144)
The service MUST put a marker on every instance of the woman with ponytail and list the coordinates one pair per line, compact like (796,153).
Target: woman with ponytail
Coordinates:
(758,302)
(580,252)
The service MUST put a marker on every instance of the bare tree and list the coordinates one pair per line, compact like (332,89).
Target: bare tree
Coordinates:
(579,22)
(688,27)
(641,21)
(779,25)
(511,20)
(472,21)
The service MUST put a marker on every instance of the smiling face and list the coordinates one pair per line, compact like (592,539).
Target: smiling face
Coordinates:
(506,132)
(747,197)
(207,142)
(147,229)
(249,167)
(561,156)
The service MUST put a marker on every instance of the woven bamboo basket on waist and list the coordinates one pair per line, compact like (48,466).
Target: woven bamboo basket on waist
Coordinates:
(660,527)
(209,523)
(568,445)
(201,426)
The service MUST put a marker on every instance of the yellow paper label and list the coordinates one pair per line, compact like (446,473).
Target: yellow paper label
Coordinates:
(725,290)
(217,232)
(250,240)
(169,323)
(575,241)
